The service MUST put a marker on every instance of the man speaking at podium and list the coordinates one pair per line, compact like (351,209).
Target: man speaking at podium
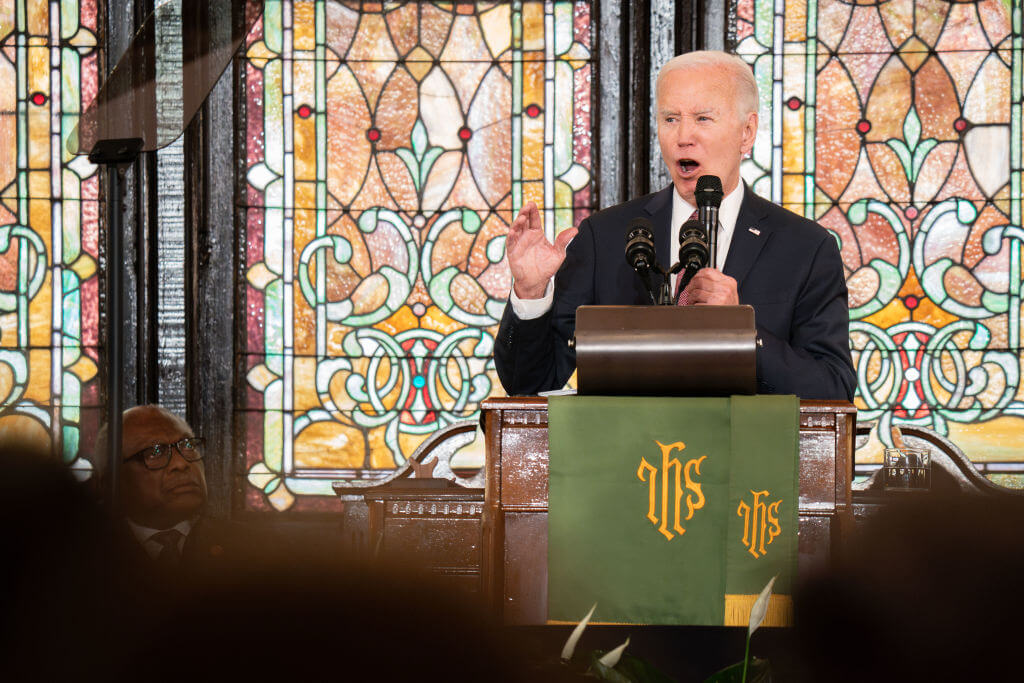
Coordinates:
(785,266)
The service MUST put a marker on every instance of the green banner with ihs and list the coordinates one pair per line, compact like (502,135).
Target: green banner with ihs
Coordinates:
(671,510)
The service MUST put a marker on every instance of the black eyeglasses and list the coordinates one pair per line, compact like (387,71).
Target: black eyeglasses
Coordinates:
(158,456)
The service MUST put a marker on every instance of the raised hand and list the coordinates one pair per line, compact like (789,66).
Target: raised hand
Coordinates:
(532,259)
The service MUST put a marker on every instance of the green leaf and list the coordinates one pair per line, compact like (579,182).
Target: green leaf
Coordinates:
(604,673)
(410,163)
(630,669)
(470,221)
(419,139)
(903,153)
(921,153)
(966,212)
(496,248)
(980,339)
(760,671)
(858,212)
(342,249)
(428,162)
(912,128)
(368,220)
(995,302)
(889,280)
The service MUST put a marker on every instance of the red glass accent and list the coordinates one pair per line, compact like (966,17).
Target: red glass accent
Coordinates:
(911,212)
(533,111)
(582,23)
(90,296)
(89,84)
(900,408)
(465,134)
(863,126)
(794,103)
(254,144)
(960,125)
(38,99)
(87,17)
(373,135)
(910,301)
(305,111)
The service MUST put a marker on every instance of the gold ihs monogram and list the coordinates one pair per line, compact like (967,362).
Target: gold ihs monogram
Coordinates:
(760,522)
(675,481)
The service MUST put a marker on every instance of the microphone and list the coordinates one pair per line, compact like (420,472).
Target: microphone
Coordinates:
(693,251)
(693,245)
(641,257)
(709,197)
(640,246)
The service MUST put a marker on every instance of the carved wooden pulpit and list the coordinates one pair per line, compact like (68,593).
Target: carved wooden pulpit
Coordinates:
(515,513)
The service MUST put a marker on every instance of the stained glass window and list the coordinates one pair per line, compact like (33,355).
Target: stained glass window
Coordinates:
(388,147)
(48,226)
(897,126)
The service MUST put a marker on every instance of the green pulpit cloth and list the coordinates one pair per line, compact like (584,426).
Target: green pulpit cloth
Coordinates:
(671,510)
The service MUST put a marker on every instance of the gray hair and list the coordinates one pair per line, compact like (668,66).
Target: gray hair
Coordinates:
(742,75)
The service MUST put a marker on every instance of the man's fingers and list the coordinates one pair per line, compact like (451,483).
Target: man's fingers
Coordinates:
(515,231)
(710,286)
(564,237)
(533,216)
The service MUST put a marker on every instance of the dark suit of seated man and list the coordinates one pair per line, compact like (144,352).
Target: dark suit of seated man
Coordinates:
(785,266)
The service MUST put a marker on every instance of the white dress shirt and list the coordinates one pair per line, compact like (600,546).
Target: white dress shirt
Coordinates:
(728,212)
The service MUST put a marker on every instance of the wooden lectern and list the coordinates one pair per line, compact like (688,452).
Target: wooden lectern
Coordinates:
(515,513)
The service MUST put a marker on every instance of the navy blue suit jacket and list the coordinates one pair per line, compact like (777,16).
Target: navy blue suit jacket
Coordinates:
(787,267)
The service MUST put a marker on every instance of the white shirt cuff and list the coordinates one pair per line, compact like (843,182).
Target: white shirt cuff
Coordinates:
(529,309)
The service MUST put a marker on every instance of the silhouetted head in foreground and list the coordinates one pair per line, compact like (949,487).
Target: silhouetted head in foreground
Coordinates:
(933,590)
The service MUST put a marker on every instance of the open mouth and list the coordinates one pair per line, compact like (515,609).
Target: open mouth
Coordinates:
(688,166)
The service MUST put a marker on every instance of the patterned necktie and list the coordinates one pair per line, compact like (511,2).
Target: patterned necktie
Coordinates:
(681,297)
(169,555)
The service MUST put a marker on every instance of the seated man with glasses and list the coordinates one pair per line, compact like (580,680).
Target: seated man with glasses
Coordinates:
(163,483)
(162,499)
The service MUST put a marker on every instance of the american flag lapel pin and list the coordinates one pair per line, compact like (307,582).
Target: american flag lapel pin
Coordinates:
(755,231)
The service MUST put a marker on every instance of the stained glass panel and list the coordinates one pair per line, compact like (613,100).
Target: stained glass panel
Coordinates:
(388,147)
(897,126)
(49,208)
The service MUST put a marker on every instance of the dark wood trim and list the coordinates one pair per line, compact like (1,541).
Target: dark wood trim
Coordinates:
(637,99)
(214,314)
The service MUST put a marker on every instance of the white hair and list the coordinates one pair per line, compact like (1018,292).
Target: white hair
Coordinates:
(741,72)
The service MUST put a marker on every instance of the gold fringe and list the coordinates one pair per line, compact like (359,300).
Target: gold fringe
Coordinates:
(737,610)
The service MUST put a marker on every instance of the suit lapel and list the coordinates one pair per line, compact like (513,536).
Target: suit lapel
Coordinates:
(660,211)
(749,236)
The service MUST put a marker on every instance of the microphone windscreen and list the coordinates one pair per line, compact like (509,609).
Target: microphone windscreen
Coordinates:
(641,223)
(640,253)
(691,226)
(709,191)
(693,244)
